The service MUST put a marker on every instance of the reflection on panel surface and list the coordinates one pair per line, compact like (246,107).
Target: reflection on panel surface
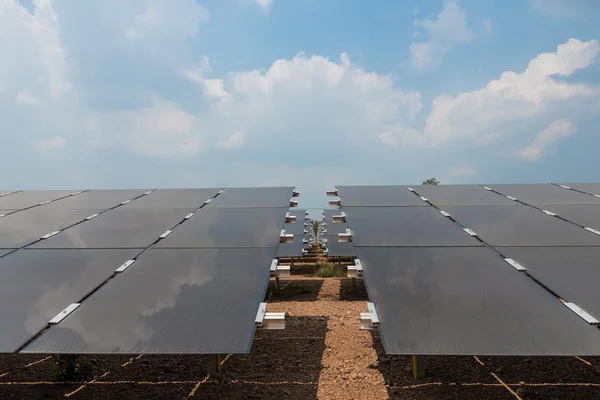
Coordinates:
(35,285)
(173,198)
(572,273)
(229,227)
(404,226)
(377,196)
(170,301)
(465,301)
(584,215)
(544,194)
(117,229)
(521,226)
(27,226)
(31,198)
(461,195)
(96,199)
(253,197)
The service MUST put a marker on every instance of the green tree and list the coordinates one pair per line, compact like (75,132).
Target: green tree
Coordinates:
(315,228)
(431,181)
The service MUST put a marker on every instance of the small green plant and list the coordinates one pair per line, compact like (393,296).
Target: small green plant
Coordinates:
(327,270)
(70,368)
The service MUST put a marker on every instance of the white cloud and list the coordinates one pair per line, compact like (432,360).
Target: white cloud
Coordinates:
(484,114)
(55,143)
(24,97)
(556,131)
(579,9)
(446,31)
(265,4)
(463,171)
(235,140)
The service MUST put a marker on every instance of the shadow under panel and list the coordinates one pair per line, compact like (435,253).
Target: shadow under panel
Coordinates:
(377,196)
(116,229)
(173,198)
(30,198)
(199,301)
(36,285)
(542,194)
(572,273)
(27,226)
(521,226)
(461,195)
(404,226)
(229,227)
(96,199)
(465,301)
(253,197)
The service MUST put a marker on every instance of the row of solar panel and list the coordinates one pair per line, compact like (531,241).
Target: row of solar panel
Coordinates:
(335,248)
(162,273)
(300,230)
(439,290)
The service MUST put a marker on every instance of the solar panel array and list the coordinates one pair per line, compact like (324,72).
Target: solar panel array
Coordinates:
(144,270)
(444,266)
(299,226)
(334,247)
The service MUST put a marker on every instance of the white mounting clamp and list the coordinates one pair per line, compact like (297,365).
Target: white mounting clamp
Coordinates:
(582,313)
(286,237)
(269,320)
(597,232)
(293,203)
(444,213)
(354,271)
(511,198)
(332,192)
(411,189)
(296,193)
(565,187)
(345,237)
(550,213)
(340,218)
(63,314)
(369,320)
(487,188)
(425,199)
(335,203)
(279,271)
(470,232)
(515,264)
(124,266)
(289,218)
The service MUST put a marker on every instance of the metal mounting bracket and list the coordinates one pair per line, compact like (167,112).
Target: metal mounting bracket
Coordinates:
(164,235)
(597,232)
(345,237)
(289,218)
(354,271)
(565,187)
(332,192)
(125,265)
(91,217)
(339,218)
(582,313)
(550,213)
(190,215)
(269,320)
(470,232)
(515,264)
(488,188)
(335,203)
(49,235)
(296,193)
(424,199)
(369,320)
(63,314)
(286,237)
(293,203)
(279,271)
(44,202)
(511,198)
(444,213)
(411,189)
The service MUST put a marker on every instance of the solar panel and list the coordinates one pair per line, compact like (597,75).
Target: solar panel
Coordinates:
(173,198)
(117,229)
(4,252)
(36,285)
(465,301)
(588,187)
(291,249)
(331,226)
(31,198)
(253,197)
(298,227)
(572,273)
(170,301)
(544,194)
(404,226)
(229,227)
(337,249)
(377,196)
(25,227)
(520,226)
(584,215)
(96,199)
(463,195)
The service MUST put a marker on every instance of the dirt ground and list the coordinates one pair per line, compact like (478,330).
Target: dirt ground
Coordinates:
(321,354)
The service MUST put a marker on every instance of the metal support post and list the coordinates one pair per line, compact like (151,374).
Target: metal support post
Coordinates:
(277,283)
(214,364)
(418,364)
(353,283)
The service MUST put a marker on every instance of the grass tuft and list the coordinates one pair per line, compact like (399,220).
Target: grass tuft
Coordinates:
(327,270)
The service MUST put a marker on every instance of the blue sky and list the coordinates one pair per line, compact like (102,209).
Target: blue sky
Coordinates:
(312,93)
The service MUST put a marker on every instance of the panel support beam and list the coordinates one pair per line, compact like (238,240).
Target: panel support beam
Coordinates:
(418,367)
(214,364)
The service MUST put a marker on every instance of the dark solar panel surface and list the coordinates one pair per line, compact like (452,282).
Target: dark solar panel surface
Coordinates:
(584,215)
(253,197)
(291,249)
(404,226)
(170,302)
(337,249)
(95,199)
(592,188)
(173,198)
(572,273)
(31,198)
(298,227)
(35,285)
(117,229)
(521,226)
(25,227)
(462,195)
(377,196)
(4,252)
(544,194)
(229,227)
(465,301)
